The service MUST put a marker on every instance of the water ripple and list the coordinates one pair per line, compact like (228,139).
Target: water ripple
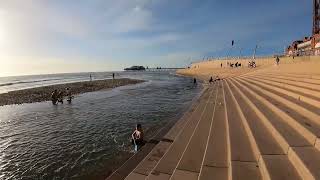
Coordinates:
(85,139)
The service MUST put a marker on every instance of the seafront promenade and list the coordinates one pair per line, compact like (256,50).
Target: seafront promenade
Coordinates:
(261,123)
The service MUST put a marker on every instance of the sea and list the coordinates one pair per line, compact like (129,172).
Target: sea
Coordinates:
(90,137)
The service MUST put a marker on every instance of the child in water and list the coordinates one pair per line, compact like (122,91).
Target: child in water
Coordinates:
(137,138)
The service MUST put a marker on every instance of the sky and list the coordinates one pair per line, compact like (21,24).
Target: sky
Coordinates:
(55,36)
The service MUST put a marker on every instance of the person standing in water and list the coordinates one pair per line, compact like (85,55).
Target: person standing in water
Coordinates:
(54,97)
(112,75)
(194,81)
(68,94)
(137,137)
(90,77)
(60,97)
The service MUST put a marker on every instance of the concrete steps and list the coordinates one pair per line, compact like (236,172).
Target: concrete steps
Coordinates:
(217,154)
(254,126)
(283,94)
(291,81)
(311,97)
(312,101)
(268,161)
(309,128)
(170,160)
(193,155)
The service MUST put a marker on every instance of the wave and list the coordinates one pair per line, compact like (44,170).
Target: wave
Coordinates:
(26,82)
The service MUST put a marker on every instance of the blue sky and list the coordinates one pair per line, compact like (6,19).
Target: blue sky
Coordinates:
(51,36)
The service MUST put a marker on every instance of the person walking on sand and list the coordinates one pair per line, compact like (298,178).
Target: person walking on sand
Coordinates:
(137,138)
(277,60)
(221,65)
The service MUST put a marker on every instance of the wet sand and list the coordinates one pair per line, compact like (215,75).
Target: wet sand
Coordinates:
(40,94)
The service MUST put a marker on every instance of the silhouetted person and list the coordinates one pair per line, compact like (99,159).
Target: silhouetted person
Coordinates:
(194,81)
(112,75)
(54,97)
(211,80)
(221,64)
(69,95)
(90,77)
(277,60)
(60,97)
(137,137)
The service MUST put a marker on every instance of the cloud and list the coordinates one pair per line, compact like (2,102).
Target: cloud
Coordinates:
(134,19)
(144,31)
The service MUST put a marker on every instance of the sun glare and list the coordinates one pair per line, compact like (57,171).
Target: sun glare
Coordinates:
(2,29)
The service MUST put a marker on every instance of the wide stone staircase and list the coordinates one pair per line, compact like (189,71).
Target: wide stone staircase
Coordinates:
(260,125)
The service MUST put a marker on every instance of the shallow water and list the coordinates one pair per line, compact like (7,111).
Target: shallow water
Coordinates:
(83,140)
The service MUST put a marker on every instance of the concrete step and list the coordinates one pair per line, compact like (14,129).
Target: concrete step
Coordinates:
(181,174)
(297,157)
(242,170)
(215,173)
(279,167)
(307,128)
(307,161)
(292,116)
(169,161)
(296,95)
(217,154)
(241,147)
(286,129)
(302,91)
(311,86)
(311,77)
(308,89)
(267,138)
(244,150)
(193,155)
(303,79)
(271,89)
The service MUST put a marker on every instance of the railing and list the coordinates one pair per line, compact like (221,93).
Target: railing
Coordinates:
(305,52)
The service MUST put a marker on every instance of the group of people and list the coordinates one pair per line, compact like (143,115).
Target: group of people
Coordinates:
(216,79)
(252,64)
(237,64)
(58,96)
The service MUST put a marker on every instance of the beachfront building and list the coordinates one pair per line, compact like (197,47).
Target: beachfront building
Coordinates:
(309,45)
